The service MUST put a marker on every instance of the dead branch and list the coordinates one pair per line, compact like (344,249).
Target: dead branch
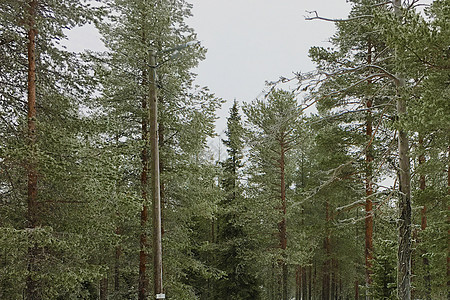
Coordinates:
(317,17)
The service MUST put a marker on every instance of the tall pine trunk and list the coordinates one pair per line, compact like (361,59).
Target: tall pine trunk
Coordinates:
(404,205)
(423,225)
(118,253)
(32,285)
(327,262)
(448,221)
(369,189)
(282,225)
(143,254)
(104,288)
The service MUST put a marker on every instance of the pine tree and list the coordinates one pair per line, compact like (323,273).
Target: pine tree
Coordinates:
(40,145)
(274,126)
(185,121)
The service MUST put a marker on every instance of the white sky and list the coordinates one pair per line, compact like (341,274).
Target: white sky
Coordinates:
(248,42)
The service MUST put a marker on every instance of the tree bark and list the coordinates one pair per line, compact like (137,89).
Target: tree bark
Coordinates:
(282,225)
(156,195)
(310,282)
(404,219)
(143,254)
(32,291)
(304,291)
(104,289)
(448,221)
(118,253)
(327,262)
(369,190)
(423,225)
(404,222)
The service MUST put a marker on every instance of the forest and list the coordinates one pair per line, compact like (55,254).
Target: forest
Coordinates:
(108,189)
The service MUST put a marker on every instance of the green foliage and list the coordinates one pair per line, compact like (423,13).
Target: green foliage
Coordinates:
(384,271)
(222,221)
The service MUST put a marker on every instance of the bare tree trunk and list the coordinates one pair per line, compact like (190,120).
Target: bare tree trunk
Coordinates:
(104,289)
(298,283)
(369,190)
(404,219)
(404,226)
(310,282)
(117,265)
(448,221)
(304,291)
(282,225)
(327,261)
(156,188)
(423,213)
(162,192)
(32,285)
(143,254)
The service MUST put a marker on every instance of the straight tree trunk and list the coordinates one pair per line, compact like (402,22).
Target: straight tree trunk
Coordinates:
(118,253)
(32,285)
(423,214)
(327,262)
(162,192)
(282,225)
(404,219)
(143,254)
(448,221)
(104,289)
(333,282)
(298,283)
(404,226)
(310,281)
(304,291)
(369,190)
(156,188)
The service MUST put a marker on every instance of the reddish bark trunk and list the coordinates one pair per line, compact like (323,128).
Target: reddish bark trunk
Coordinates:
(368,253)
(161,170)
(369,204)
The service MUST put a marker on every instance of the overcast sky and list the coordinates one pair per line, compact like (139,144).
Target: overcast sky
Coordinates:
(251,41)
(248,42)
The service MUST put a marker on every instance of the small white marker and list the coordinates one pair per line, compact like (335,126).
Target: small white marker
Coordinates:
(160,296)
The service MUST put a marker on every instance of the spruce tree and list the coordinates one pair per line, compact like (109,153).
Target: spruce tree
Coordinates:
(239,282)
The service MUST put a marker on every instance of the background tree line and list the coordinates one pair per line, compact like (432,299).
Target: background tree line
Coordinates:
(350,202)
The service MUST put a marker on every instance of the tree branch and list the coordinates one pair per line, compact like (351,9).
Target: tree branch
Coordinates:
(317,17)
